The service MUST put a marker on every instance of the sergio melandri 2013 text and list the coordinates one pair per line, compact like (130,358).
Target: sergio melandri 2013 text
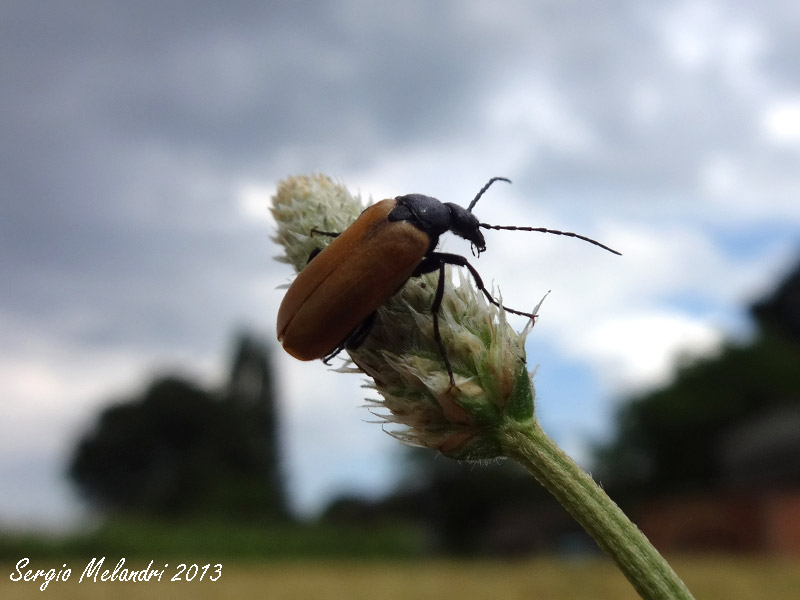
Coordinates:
(94,572)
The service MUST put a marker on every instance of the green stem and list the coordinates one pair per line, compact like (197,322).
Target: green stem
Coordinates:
(641,563)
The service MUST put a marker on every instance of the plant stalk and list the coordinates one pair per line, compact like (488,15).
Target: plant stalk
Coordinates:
(651,576)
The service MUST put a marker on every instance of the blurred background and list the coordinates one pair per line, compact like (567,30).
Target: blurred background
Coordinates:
(140,379)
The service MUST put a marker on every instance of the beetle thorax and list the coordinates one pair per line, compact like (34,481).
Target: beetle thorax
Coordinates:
(435,218)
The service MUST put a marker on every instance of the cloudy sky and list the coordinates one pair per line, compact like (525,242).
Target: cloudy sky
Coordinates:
(141,142)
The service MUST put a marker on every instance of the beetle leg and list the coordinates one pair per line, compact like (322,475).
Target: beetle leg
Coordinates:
(460,261)
(429,264)
(354,340)
(360,333)
(327,358)
(433,262)
(316,251)
(313,254)
(437,304)
(320,232)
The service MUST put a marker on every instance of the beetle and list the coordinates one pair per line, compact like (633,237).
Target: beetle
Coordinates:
(331,304)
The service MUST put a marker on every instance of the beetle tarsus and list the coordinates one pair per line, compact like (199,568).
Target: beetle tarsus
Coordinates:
(354,340)
(329,357)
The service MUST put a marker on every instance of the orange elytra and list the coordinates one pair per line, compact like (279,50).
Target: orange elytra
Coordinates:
(344,284)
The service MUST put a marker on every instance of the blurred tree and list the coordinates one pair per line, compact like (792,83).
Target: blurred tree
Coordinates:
(780,312)
(181,450)
(250,391)
(686,434)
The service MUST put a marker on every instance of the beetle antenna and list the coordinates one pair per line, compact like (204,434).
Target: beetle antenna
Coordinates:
(483,189)
(554,231)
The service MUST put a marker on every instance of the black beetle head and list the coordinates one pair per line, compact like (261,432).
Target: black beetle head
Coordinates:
(466,225)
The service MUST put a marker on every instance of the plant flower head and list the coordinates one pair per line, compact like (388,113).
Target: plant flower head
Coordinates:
(400,353)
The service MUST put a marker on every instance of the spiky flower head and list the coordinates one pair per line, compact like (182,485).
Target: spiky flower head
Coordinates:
(489,410)
(400,354)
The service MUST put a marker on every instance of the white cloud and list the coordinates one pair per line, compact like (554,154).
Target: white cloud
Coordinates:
(706,34)
(633,351)
(720,177)
(253,201)
(535,111)
(780,121)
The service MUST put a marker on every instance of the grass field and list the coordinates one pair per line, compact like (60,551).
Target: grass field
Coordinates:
(709,578)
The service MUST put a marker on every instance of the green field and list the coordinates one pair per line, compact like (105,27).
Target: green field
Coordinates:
(711,578)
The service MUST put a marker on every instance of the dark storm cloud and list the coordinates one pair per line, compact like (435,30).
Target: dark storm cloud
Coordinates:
(248,78)
(652,118)
(659,89)
(126,126)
